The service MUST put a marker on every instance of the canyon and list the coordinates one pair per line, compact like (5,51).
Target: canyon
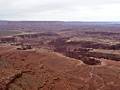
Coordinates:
(59,55)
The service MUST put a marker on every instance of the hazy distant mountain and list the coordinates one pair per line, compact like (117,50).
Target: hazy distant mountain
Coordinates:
(52,25)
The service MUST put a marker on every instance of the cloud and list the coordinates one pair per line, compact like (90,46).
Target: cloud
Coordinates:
(66,10)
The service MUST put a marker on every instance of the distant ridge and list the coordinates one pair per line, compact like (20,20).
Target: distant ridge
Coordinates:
(54,25)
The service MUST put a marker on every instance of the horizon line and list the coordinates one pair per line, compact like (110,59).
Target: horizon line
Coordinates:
(55,21)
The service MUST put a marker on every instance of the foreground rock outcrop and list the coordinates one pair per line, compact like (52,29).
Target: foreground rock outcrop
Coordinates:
(45,70)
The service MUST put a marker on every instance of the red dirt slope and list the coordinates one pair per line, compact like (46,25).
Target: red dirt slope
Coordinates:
(43,70)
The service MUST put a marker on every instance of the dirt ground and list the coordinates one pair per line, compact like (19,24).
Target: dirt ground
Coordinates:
(44,70)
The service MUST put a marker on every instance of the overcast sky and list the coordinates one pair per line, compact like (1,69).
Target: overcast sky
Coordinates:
(60,10)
